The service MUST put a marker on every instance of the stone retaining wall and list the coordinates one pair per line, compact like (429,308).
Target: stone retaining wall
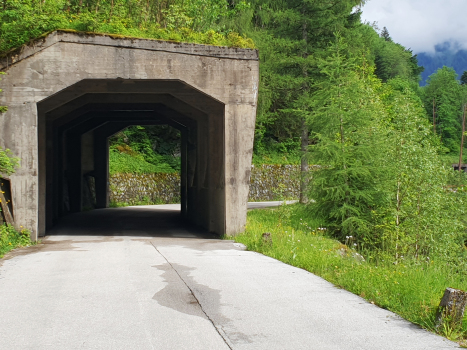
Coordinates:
(158,188)
(267,182)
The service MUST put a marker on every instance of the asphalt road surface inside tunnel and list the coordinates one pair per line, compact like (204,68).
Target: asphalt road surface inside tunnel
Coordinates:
(136,278)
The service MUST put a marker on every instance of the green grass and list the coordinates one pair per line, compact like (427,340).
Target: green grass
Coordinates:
(20,28)
(126,163)
(412,290)
(11,239)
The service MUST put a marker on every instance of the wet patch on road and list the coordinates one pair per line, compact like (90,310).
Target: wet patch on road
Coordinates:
(183,294)
(176,295)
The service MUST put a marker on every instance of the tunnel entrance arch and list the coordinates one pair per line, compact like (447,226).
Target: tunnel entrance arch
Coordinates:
(73,133)
(69,93)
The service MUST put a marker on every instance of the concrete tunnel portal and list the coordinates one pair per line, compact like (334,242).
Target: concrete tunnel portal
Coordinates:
(75,143)
(61,115)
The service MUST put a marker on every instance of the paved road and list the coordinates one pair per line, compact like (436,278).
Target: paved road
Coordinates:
(135,278)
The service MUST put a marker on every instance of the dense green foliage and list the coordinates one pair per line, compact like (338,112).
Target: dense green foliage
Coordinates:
(290,51)
(380,180)
(445,97)
(410,288)
(391,60)
(291,37)
(24,20)
(145,150)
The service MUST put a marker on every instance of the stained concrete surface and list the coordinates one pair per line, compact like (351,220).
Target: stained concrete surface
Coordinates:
(137,278)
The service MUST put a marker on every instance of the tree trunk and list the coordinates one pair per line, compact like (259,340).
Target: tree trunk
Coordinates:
(305,132)
(111,9)
(462,139)
(6,210)
(451,308)
(304,164)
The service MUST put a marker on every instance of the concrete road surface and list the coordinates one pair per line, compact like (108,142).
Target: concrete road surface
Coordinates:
(137,278)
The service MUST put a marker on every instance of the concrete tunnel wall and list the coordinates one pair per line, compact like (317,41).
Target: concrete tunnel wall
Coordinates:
(53,86)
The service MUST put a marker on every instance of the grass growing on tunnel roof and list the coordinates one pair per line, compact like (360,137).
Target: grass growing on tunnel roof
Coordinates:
(24,21)
(412,290)
(11,239)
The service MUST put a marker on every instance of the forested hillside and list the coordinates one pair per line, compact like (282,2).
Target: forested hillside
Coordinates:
(444,55)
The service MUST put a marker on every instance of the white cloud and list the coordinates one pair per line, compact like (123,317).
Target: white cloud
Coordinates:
(420,24)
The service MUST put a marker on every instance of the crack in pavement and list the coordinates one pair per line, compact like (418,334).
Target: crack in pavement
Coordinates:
(219,330)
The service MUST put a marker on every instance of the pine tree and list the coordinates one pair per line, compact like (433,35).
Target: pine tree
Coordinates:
(385,34)
(346,122)
(464,78)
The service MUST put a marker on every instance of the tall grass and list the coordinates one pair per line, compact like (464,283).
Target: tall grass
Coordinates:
(412,289)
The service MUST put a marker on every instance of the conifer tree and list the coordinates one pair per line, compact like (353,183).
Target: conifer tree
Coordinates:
(297,33)
(464,78)
(385,34)
(345,121)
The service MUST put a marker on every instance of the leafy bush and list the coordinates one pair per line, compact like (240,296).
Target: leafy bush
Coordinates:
(7,162)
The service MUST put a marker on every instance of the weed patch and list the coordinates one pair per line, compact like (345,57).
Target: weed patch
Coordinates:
(11,239)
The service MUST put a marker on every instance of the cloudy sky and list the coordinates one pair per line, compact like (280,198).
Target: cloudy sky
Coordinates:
(420,24)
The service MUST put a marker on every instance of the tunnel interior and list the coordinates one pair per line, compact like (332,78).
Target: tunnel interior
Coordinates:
(75,124)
